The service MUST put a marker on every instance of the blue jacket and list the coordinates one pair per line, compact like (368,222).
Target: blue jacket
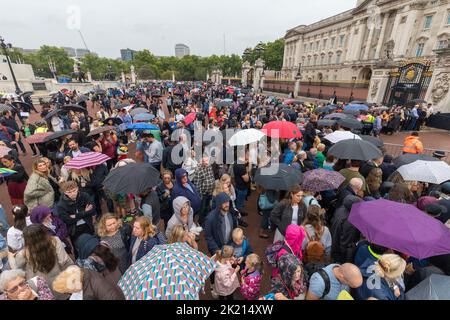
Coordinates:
(146,245)
(180,191)
(288,156)
(213,230)
(246,248)
(363,254)
(383,292)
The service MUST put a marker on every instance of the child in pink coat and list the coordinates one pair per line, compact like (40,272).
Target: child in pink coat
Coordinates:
(226,274)
(251,277)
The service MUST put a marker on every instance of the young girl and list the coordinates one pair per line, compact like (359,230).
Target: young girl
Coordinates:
(15,233)
(226,278)
(251,277)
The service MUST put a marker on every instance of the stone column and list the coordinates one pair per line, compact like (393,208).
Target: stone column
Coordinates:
(133,75)
(369,43)
(297,87)
(259,68)
(173,76)
(378,85)
(263,79)
(438,91)
(89,76)
(123,77)
(381,40)
(245,69)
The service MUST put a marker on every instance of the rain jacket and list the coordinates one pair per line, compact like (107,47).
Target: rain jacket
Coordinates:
(295,235)
(67,207)
(226,279)
(251,286)
(176,218)
(412,145)
(180,191)
(375,286)
(39,191)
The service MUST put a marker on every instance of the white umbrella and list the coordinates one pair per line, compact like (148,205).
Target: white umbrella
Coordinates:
(245,137)
(435,172)
(338,136)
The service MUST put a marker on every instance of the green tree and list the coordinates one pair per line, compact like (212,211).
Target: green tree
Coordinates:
(40,60)
(146,72)
(273,54)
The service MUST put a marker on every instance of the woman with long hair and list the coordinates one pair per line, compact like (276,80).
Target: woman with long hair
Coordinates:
(39,190)
(164,190)
(117,235)
(374,181)
(290,210)
(43,255)
(14,237)
(145,237)
(316,230)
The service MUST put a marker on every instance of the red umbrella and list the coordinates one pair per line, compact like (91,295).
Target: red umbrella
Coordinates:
(282,129)
(38,137)
(190,118)
(86,160)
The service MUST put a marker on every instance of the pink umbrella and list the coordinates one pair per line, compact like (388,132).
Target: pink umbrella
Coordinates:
(86,160)
(4,151)
(190,118)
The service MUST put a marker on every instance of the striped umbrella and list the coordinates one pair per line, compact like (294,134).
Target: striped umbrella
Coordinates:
(86,160)
(6,172)
(4,151)
(38,137)
(168,272)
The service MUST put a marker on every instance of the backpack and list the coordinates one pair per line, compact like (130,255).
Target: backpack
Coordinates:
(272,250)
(265,204)
(312,268)
(315,250)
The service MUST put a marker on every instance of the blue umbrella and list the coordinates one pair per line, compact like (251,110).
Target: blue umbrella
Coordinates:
(143,117)
(356,107)
(142,126)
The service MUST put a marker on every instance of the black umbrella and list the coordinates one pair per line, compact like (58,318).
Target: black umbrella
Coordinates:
(179,94)
(324,109)
(247,99)
(415,101)
(101,130)
(288,111)
(326,123)
(337,116)
(359,102)
(352,112)
(20,105)
(355,150)
(100,91)
(53,113)
(350,123)
(121,106)
(297,102)
(410,158)
(134,178)
(282,179)
(59,134)
(74,107)
(246,90)
(82,98)
(373,140)
(115,121)
(27,94)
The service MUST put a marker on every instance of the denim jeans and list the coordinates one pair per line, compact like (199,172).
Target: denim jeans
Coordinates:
(241,195)
(3,221)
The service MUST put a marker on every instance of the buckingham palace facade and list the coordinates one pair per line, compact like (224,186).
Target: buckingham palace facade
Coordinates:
(383,51)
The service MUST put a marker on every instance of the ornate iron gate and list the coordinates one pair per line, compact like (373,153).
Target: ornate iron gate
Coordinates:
(410,81)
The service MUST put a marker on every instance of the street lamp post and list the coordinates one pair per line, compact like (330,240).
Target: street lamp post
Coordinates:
(52,66)
(5,48)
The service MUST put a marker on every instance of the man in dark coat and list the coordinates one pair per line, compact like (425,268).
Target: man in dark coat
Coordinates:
(344,234)
(76,210)
(220,223)
(310,132)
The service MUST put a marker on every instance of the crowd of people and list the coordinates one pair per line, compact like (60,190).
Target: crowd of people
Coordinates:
(73,237)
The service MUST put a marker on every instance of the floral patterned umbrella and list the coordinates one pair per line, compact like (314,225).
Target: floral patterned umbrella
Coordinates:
(168,272)
(321,180)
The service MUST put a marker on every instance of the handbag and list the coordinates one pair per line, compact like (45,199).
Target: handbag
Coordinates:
(265,204)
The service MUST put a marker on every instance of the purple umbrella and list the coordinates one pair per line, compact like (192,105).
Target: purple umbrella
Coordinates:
(401,227)
(322,180)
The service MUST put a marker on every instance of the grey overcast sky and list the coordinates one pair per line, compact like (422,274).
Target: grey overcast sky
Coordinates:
(157,25)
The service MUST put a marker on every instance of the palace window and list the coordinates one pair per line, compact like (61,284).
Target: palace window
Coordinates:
(419,50)
(305,47)
(428,20)
(341,40)
(335,77)
(338,58)
(317,45)
(322,60)
(333,40)
(315,60)
(325,43)
(311,47)
(442,44)
(448,18)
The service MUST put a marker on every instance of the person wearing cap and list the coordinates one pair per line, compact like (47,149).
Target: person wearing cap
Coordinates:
(383,279)
(56,227)
(220,223)
(97,256)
